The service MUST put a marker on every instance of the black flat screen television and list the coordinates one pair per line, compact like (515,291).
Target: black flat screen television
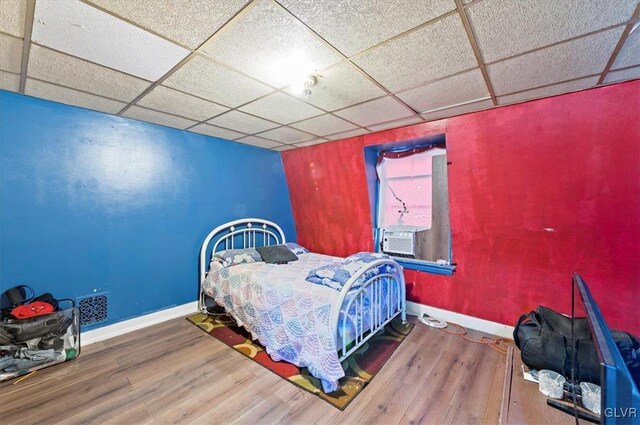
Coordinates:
(620,398)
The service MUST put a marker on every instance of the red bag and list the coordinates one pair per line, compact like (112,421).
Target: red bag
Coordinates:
(36,308)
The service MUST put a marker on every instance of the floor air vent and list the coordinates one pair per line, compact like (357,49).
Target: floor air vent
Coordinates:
(93,309)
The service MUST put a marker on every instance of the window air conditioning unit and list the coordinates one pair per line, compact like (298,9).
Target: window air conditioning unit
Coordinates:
(400,243)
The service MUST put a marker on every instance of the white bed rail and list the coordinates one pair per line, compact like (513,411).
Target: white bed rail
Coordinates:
(383,307)
(238,234)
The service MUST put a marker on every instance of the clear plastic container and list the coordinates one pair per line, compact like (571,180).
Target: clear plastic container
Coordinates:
(551,384)
(590,396)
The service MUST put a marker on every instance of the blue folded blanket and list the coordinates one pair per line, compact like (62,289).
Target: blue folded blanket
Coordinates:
(336,274)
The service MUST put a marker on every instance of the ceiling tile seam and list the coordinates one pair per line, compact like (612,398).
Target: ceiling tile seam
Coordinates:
(75,89)
(472,2)
(545,96)
(369,127)
(334,115)
(335,49)
(6,34)
(610,83)
(88,61)
(624,68)
(618,47)
(470,102)
(588,34)
(476,49)
(231,68)
(26,43)
(242,112)
(157,83)
(135,24)
(266,140)
(174,115)
(230,23)
(278,128)
(305,141)
(404,33)
(190,56)
(297,146)
(348,131)
(194,95)
(437,80)
(550,85)
(237,108)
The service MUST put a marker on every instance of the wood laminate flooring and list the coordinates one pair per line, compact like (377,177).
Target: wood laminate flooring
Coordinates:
(175,373)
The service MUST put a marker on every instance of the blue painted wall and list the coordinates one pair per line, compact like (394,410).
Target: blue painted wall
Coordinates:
(91,202)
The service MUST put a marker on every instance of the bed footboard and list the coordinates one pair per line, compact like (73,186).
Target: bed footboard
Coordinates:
(387,297)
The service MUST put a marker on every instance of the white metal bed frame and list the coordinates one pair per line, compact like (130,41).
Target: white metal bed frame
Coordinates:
(242,234)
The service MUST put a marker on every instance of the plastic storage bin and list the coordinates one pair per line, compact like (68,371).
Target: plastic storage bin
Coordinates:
(38,342)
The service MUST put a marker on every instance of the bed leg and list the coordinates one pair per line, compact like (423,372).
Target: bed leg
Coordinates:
(403,317)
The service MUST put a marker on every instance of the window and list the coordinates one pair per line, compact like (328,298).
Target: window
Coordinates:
(413,207)
(406,190)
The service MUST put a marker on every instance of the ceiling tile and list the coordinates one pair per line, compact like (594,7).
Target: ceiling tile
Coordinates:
(324,124)
(272,46)
(286,135)
(451,91)
(188,22)
(554,64)
(160,118)
(539,22)
(212,130)
(340,86)
(284,148)
(435,51)
(259,141)
(281,108)
(375,111)
(553,90)
(240,121)
(9,81)
(174,102)
(352,26)
(629,55)
(622,75)
(80,30)
(10,53)
(12,16)
(311,142)
(71,97)
(209,80)
(458,110)
(395,124)
(347,134)
(65,70)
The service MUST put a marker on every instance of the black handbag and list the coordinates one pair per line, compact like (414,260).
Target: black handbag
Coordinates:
(23,330)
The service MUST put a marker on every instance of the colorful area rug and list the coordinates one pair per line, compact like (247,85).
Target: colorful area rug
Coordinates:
(360,367)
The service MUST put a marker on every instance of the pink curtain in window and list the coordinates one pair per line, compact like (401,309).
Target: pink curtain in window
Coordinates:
(406,188)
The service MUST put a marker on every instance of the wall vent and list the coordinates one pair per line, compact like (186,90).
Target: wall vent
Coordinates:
(93,309)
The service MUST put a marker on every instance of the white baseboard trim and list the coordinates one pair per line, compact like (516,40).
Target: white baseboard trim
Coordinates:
(470,322)
(110,331)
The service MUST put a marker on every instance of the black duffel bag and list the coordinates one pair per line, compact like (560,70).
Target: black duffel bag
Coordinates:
(544,339)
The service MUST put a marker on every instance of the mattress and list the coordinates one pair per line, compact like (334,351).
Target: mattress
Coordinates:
(287,314)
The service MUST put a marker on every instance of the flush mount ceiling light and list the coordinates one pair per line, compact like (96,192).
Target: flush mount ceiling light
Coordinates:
(303,86)
(294,69)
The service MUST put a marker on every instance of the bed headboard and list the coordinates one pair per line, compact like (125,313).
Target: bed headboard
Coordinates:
(238,234)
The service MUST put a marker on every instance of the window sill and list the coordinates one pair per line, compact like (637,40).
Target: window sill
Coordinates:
(425,266)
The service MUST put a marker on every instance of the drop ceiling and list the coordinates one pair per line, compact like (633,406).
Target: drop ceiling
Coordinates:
(224,67)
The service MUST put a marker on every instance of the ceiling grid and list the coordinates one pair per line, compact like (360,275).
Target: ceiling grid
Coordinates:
(378,65)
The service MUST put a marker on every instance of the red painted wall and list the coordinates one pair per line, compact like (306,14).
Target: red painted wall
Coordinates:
(537,190)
